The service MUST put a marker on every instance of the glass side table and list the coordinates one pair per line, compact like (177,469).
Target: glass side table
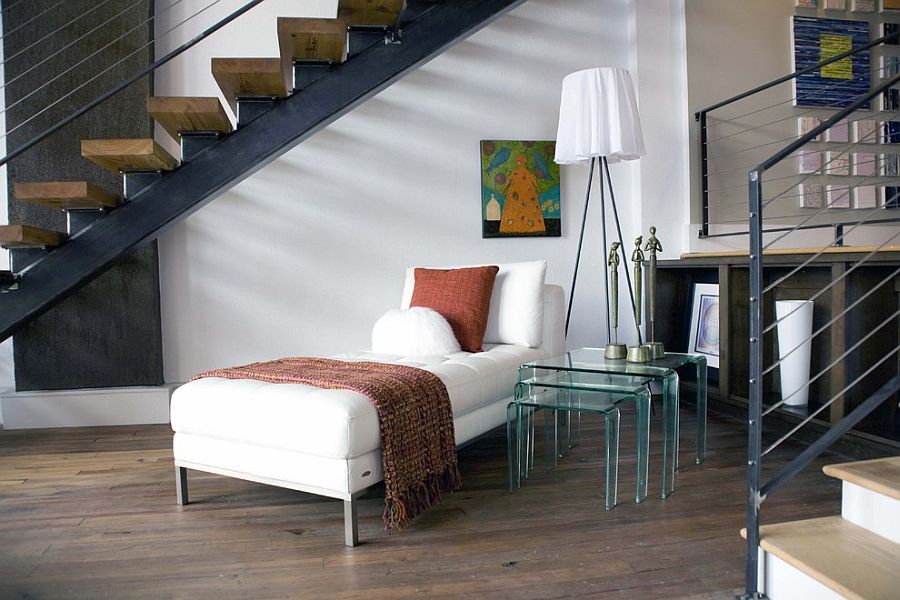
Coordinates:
(582,391)
(520,427)
(592,360)
(587,370)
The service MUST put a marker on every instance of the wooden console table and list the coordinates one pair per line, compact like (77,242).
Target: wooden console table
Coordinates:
(730,271)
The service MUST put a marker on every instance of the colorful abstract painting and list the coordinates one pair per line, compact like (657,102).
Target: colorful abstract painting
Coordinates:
(519,189)
(838,84)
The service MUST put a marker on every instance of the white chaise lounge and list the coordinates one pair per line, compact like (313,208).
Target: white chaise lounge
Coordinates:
(327,441)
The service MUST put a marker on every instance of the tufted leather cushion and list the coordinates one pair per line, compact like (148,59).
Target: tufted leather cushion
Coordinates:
(462,296)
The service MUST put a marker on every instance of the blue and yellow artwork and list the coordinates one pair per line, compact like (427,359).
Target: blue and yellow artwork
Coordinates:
(519,189)
(838,84)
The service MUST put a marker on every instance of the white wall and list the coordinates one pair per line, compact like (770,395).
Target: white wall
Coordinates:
(660,66)
(305,255)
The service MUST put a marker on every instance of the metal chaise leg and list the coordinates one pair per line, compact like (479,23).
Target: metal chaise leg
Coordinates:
(181,486)
(351,520)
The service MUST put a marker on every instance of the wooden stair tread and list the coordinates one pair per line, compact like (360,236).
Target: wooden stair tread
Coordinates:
(25,236)
(881,475)
(311,39)
(850,560)
(249,77)
(128,155)
(177,114)
(65,194)
(371,12)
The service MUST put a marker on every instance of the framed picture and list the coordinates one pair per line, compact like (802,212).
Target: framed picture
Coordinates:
(838,84)
(705,323)
(519,189)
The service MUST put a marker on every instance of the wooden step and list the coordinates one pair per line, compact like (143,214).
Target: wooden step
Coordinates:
(128,155)
(249,77)
(844,557)
(25,236)
(881,475)
(178,114)
(385,13)
(311,39)
(65,194)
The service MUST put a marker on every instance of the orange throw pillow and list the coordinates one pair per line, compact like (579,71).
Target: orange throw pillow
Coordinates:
(462,296)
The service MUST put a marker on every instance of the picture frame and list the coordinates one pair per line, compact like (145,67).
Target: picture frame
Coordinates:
(840,83)
(520,189)
(704,336)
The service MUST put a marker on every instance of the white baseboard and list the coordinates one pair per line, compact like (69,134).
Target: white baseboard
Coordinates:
(82,408)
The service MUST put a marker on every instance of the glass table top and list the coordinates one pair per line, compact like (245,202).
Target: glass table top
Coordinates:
(589,380)
(592,360)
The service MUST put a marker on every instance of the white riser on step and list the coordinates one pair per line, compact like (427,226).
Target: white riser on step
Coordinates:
(781,581)
(871,510)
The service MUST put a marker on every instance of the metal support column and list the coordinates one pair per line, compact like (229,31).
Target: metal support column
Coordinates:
(754,429)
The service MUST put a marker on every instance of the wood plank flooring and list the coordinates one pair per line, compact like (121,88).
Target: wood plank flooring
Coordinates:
(91,513)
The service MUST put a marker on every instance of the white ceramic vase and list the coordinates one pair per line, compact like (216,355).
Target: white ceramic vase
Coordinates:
(794,329)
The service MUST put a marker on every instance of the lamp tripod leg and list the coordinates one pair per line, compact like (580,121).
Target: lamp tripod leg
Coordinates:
(587,199)
(603,253)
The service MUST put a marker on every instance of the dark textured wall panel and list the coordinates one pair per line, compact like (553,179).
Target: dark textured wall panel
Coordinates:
(108,334)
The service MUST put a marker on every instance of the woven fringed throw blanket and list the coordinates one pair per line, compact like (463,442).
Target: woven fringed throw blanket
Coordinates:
(418,450)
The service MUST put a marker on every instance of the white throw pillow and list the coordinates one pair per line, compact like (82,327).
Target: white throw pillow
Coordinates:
(417,331)
(517,303)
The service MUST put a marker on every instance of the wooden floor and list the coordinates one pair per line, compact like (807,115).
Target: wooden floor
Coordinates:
(91,513)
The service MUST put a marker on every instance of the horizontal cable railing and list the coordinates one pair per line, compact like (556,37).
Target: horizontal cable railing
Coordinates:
(118,60)
(824,341)
(861,154)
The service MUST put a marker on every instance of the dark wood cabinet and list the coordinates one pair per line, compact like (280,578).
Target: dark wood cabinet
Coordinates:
(853,354)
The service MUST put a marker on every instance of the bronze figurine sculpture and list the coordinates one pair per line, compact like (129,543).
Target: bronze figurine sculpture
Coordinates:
(614,350)
(652,247)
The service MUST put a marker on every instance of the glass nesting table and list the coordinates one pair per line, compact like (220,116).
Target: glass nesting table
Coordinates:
(585,381)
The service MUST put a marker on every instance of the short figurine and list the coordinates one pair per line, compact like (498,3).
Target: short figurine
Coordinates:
(653,246)
(637,257)
(614,350)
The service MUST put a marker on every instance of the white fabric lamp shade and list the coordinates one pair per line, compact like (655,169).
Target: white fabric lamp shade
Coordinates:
(598,116)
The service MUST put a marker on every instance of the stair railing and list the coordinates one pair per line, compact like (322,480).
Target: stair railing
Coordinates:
(427,28)
(727,188)
(125,83)
(854,331)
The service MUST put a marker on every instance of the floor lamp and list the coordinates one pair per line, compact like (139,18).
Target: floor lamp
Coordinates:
(599,124)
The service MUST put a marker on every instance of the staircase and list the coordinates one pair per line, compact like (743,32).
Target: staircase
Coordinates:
(854,555)
(326,67)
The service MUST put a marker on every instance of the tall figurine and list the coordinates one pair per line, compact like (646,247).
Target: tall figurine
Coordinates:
(639,353)
(637,257)
(653,246)
(614,350)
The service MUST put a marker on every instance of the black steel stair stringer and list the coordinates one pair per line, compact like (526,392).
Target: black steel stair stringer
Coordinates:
(218,168)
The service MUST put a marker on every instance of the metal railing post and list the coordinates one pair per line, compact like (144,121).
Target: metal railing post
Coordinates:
(704,175)
(754,426)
